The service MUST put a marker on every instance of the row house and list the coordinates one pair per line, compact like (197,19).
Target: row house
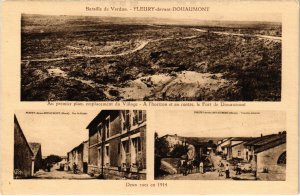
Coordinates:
(269,154)
(117,143)
(233,147)
(79,157)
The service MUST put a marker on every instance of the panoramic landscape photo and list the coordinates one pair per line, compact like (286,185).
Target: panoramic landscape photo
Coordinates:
(92,58)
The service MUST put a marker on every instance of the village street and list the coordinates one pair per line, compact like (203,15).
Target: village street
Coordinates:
(209,176)
(56,174)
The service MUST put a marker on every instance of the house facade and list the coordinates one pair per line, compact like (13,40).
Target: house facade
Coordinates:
(233,147)
(268,153)
(117,143)
(238,151)
(79,156)
(271,158)
(37,155)
(23,155)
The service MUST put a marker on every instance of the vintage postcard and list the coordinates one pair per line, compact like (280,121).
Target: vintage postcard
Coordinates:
(149,97)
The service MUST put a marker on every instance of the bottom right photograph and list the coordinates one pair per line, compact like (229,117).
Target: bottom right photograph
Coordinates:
(220,145)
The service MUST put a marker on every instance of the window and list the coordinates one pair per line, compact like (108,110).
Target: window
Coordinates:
(239,153)
(126,146)
(126,123)
(106,128)
(137,144)
(99,129)
(119,146)
(135,117)
(107,150)
(140,115)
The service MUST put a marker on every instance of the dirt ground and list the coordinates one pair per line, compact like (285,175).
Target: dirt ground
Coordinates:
(211,175)
(55,174)
(208,176)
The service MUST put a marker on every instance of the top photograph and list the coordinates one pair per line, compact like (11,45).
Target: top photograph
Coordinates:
(97,58)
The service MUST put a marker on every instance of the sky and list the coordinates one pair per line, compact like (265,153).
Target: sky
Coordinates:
(179,15)
(60,133)
(266,17)
(57,133)
(199,124)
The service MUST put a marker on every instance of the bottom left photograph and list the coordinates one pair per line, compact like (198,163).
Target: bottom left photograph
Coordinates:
(105,144)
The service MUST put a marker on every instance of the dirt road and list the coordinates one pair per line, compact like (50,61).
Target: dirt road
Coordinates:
(55,174)
(208,176)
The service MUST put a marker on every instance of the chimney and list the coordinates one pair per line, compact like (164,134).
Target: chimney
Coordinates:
(261,135)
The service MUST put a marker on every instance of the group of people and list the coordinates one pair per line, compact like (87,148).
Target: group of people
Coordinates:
(223,168)
(187,166)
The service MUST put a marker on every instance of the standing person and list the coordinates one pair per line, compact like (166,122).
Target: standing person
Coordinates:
(238,168)
(196,163)
(221,168)
(227,171)
(201,167)
(74,168)
(184,168)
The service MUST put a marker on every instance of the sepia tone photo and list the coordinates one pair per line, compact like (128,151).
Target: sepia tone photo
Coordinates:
(109,145)
(220,146)
(149,97)
(95,58)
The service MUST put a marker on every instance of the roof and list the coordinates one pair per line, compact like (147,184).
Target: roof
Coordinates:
(262,140)
(268,140)
(272,144)
(79,146)
(229,145)
(35,147)
(242,139)
(102,115)
(224,140)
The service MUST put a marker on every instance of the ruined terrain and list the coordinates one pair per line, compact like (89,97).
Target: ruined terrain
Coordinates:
(99,59)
